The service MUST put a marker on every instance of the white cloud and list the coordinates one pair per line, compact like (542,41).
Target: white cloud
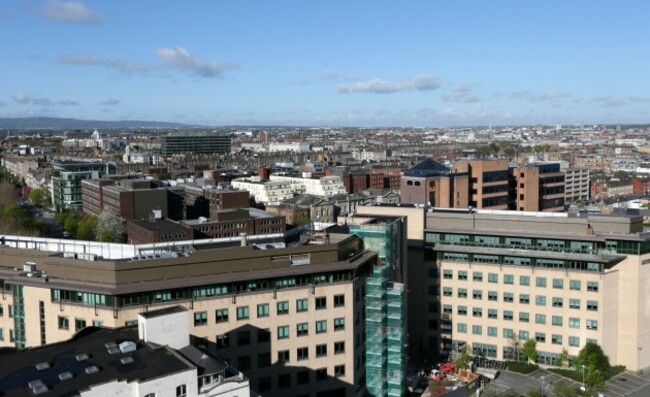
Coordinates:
(89,59)
(73,11)
(421,82)
(26,99)
(539,97)
(461,93)
(109,102)
(180,59)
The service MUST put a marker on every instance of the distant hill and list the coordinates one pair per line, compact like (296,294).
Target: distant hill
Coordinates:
(54,123)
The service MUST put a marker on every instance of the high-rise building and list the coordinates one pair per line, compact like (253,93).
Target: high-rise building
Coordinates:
(538,187)
(576,185)
(195,144)
(66,181)
(433,184)
(488,183)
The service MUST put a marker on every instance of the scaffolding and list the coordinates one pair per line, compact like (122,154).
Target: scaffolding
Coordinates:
(385,315)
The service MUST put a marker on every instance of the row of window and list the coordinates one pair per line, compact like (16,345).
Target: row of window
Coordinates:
(284,381)
(79,323)
(509,297)
(263,335)
(524,317)
(574,285)
(263,310)
(523,335)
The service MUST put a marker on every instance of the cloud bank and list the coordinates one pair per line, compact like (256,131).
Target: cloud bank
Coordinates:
(178,58)
(421,82)
(72,11)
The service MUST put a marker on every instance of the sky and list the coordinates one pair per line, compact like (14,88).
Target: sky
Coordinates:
(327,63)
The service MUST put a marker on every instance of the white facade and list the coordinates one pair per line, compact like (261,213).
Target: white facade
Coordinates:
(298,147)
(576,184)
(326,186)
(269,193)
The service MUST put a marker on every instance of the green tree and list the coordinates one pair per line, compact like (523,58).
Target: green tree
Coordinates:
(87,228)
(71,225)
(61,217)
(529,350)
(39,197)
(561,389)
(593,357)
(594,380)
(462,359)
(111,227)
(564,358)
(15,213)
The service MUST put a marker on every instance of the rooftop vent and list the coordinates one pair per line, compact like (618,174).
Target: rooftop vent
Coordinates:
(113,350)
(65,375)
(110,345)
(81,357)
(91,370)
(42,366)
(29,267)
(127,360)
(127,346)
(37,386)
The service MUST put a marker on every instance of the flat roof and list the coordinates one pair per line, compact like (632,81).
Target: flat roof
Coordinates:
(149,362)
(163,312)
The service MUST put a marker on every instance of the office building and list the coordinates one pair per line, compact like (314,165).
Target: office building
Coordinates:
(66,181)
(291,319)
(576,185)
(154,358)
(325,186)
(264,192)
(538,187)
(489,185)
(194,144)
(430,183)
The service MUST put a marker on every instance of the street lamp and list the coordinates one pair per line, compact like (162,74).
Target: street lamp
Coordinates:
(542,379)
(582,369)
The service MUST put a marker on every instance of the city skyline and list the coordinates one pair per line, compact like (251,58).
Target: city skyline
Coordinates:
(338,64)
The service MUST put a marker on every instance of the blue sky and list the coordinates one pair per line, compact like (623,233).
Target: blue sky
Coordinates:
(339,63)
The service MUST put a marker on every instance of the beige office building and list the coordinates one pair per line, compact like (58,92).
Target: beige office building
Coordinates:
(291,318)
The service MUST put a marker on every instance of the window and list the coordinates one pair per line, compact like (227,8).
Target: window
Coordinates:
(447,291)
(339,347)
(574,322)
(508,279)
(574,303)
(477,330)
(524,280)
(244,363)
(558,283)
(556,320)
(321,350)
(508,297)
(263,310)
(64,323)
(2,334)
(264,384)
(540,300)
(339,300)
(493,277)
(540,337)
(284,381)
(592,286)
(79,323)
(477,294)
(493,313)
(221,315)
(302,353)
(302,305)
(592,324)
(462,328)
(592,305)
(223,341)
(303,377)
(321,303)
(556,339)
(508,315)
(558,302)
(243,338)
(181,391)
(477,276)
(339,370)
(242,313)
(524,299)
(540,318)
(200,318)
(523,335)
(508,333)
(493,296)
(524,317)
(447,274)
(263,335)
(477,312)
(283,356)
(592,341)
(462,310)
(302,329)
(492,331)
(283,307)
(574,285)
(462,293)
(339,324)
(447,309)
(321,374)
(574,341)
(540,282)
(283,332)
(321,326)
(462,275)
